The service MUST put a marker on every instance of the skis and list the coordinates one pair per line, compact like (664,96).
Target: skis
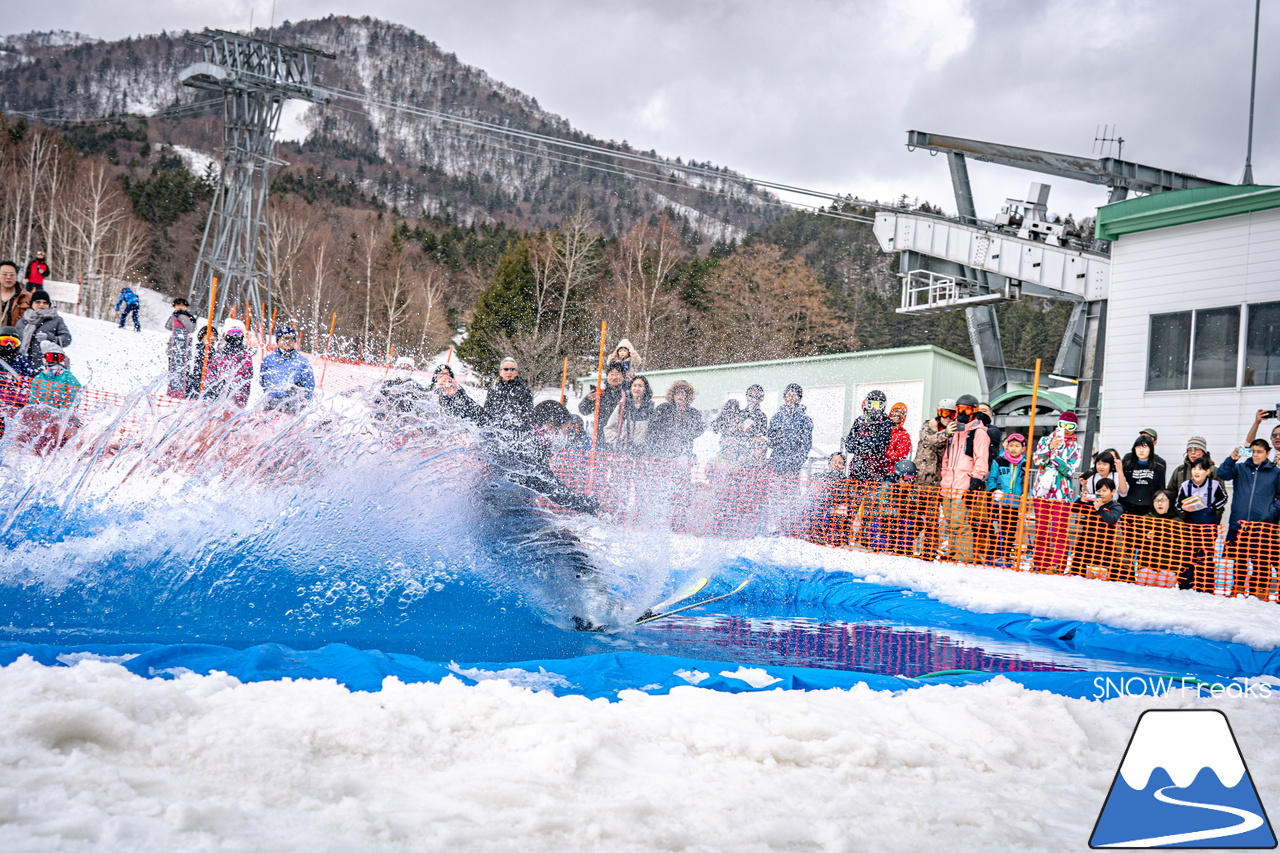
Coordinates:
(688,592)
(661,611)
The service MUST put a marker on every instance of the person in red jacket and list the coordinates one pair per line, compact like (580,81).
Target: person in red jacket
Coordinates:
(899,438)
(37,272)
(965,465)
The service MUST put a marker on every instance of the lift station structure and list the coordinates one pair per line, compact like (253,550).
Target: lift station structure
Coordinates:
(962,262)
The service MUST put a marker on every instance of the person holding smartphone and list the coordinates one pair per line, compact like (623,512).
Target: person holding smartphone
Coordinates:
(1260,416)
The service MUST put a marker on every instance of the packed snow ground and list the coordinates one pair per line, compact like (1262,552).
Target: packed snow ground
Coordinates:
(93,757)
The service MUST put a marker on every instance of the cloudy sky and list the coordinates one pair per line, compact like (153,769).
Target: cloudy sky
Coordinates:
(820,93)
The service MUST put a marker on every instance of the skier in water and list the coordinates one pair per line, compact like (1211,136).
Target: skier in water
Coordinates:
(400,397)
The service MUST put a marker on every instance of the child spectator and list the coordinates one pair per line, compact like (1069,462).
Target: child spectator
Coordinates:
(1202,499)
(1097,546)
(41,323)
(14,368)
(130,301)
(1008,473)
(54,385)
(231,368)
(899,438)
(1145,474)
(1104,467)
(1254,508)
(626,357)
(827,519)
(1160,538)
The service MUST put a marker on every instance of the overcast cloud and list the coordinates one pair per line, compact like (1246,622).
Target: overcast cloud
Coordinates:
(820,93)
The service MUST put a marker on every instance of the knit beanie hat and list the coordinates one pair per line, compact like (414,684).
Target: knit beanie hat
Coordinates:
(1198,441)
(41,295)
(1069,417)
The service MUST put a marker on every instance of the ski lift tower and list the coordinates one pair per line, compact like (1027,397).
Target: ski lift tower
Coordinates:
(255,78)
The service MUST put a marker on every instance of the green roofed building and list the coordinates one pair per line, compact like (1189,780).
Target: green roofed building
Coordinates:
(834,385)
(1193,319)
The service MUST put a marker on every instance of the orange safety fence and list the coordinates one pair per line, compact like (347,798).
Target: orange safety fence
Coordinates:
(921,521)
(744,500)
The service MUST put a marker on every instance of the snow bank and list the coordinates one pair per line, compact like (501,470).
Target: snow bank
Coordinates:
(93,757)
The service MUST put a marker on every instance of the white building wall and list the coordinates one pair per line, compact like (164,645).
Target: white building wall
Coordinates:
(1211,264)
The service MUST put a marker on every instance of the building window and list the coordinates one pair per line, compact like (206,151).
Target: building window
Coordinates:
(1168,358)
(1262,345)
(1217,348)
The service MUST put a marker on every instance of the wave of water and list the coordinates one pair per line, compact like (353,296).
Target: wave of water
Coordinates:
(243,528)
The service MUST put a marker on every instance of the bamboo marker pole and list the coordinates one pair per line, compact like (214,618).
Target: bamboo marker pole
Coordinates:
(595,426)
(564,377)
(1018,549)
(208,336)
(328,341)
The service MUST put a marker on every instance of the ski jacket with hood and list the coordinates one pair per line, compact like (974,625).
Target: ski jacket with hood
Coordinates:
(1257,492)
(967,459)
(790,439)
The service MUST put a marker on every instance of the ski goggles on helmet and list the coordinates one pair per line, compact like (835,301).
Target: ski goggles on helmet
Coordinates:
(966,409)
(878,405)
(947,413)
(9,341)
(55,357)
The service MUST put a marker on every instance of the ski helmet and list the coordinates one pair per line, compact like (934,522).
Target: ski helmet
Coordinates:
(905,469)
(876,401)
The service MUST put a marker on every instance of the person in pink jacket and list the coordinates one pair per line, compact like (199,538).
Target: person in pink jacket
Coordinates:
(965,465)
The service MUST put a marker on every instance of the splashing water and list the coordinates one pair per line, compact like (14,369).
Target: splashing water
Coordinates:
(194,524)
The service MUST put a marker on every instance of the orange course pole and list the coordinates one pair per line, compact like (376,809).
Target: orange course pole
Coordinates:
(564,377)
(1018,548)
(325,368)
(595,426)
(208,336)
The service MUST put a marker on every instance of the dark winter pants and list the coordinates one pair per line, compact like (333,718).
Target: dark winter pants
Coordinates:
(137,327)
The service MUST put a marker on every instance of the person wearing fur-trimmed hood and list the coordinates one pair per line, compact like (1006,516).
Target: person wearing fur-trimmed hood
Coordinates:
(625,356)
(676,423)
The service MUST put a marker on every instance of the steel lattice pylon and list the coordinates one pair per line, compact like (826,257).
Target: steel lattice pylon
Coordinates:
(255,78)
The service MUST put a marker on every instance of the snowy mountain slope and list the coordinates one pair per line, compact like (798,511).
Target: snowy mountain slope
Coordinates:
(420,165)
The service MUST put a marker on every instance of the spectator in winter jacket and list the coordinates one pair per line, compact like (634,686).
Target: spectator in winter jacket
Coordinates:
(928,461)
(675,424)
(129,300)
(615,386)
(510,403)
(1145,475)
(1055,461)
(790,434)
(628,422)
(899,438)
(965,465)
(41,323)
(1255,506)
(37,272)
(180,326)
(1260,416)
(230,374)
(867,443)
(454,399)
(400,399)
(286,374)
(197,376)
(1202,499)
(1197,448)
(14,366)
(1004,483)
(14,301)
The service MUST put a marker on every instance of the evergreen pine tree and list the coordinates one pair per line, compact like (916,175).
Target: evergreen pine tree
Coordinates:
(504,307)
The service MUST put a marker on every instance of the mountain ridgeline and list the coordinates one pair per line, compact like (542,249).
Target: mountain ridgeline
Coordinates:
(409,228)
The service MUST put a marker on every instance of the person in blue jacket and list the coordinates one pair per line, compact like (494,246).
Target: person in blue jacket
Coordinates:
(130,301)
(1004,483)
(286,374)
(1255,506)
